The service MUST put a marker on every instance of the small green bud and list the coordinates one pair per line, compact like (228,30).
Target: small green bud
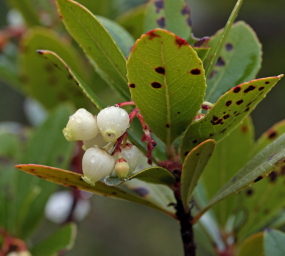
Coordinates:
(122,168)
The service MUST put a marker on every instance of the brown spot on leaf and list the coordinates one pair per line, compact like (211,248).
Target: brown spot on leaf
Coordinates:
(159,4)
(156,85)
(273,176)
(236,89)
(195,71)
(250,88)
(213,72)
(195,141)
(132,86)
(185,10)
(226,116)
(229,46)
(258,178)
(228,103)
(186,153)
(152,35)
(261,88)
(244,129)
(141,191)
(249,191)
(272,134)
(239,102)
(167,125)
(161,22)
(267,82)
(180,42)
(160,70)
(220,62)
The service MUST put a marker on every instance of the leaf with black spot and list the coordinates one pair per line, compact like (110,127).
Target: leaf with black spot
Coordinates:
(231,154)
(74,180)
(167,88)
(235,105)
(173,16)
(239,60)
(261,165)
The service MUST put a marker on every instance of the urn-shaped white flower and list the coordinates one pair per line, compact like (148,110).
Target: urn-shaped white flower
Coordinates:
(113,122)
(96,164)
(82,125)
(96,141)
(132,154)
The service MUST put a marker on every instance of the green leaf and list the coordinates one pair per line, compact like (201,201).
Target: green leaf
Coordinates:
(253,245)
(96,43)
(61,240)
(231,154)
(42,80)
(27,10)
(227,113)
(216,52)
(238,61)
(193,167)
(173,16)
(257,168)
(121,37)
(49,147)
(273,244)
(74,180)
(264,200)
(167,88)
(157,175)
(67,72)
(158,194)
(133,20)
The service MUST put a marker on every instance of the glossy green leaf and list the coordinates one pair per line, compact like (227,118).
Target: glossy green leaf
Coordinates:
(212,60)
(193,167)
(257,168)
(156,174)
(238,61)
(274,241)
(173,16)
(61,240)
(42,80)
(263,200)
(133,21)
(27,10)
(49,147)
(158,194)
(166,86)
(231,154)
(69,74)
(253,245)
(74,180)
(121,37)
(97,43)
(227,113)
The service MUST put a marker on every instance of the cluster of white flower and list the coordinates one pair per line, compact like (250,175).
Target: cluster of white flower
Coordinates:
(99,135)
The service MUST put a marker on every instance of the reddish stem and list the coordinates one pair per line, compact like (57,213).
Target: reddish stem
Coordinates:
(127,103)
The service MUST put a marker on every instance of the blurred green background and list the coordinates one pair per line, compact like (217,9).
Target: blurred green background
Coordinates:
(121,228)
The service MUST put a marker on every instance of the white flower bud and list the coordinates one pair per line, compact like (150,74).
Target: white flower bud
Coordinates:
(113,122)
(97,141)
(122,168)
(132,155)
(96,164)
(82,125)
